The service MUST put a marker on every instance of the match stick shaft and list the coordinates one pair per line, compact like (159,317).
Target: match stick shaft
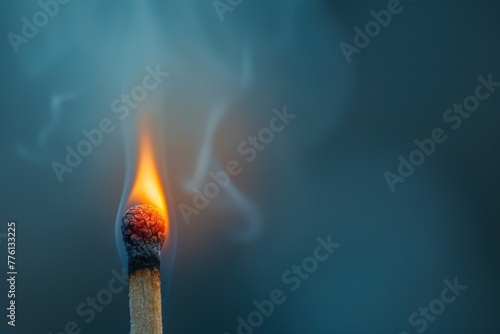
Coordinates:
(145,301)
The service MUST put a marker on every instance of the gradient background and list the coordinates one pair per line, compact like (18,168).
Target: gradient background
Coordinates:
(323,175)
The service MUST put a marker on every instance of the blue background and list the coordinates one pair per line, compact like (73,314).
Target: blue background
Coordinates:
(323,175)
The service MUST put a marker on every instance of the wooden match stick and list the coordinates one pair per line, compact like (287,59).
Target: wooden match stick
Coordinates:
(143,230)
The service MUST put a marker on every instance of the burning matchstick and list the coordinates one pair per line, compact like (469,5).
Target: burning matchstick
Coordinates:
(143,230)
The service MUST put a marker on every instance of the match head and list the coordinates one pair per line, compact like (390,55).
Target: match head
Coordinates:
(143,231)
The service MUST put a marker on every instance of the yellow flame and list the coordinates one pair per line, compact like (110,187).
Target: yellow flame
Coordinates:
(147,187)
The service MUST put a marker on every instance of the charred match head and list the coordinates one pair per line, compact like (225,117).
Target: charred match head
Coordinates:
(143,231)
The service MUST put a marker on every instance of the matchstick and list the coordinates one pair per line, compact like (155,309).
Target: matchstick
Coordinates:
(143,230)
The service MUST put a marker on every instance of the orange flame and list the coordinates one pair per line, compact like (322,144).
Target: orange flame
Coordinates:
(147,186)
